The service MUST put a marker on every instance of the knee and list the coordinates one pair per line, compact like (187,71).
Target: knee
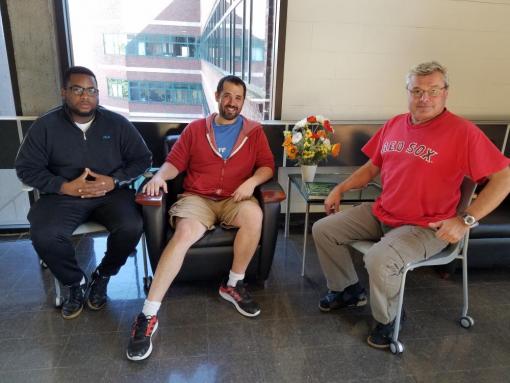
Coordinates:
(250,216)
(47,236)
(381,267)
(129,228)
(321,229)
(318,229)
(187,232)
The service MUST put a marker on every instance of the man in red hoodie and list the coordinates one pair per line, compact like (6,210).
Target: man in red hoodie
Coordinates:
(225,157)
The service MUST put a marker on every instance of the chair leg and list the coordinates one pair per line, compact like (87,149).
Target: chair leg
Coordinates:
(396,347)
(58,293)
(147,280)
(465,320)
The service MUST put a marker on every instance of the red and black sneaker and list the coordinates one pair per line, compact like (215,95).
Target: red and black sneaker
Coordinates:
(240,298)
(140,343)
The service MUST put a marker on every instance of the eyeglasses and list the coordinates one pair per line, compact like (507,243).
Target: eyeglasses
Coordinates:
(418,93)
(78,90)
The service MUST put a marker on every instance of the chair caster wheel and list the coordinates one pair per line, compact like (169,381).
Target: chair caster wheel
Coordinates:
(147,282)
(467,322)
(396,347)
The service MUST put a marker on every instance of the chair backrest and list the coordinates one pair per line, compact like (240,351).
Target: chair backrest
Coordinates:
(467,189)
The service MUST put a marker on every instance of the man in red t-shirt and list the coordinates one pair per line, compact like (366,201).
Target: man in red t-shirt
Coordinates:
(225,157)
(422,157)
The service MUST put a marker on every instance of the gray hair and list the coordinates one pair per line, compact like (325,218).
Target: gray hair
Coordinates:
(425,69)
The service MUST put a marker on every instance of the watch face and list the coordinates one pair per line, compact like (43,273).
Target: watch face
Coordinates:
(469,220)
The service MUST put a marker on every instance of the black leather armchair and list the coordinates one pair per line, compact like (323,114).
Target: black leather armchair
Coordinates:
(211,256)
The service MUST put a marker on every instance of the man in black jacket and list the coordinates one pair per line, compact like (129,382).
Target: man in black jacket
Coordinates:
(81,157)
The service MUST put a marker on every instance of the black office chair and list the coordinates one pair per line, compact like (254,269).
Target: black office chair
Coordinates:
(211,257)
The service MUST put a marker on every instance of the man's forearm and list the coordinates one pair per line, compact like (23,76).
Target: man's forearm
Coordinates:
(167,171)
(261,175)
(359,178)
(492,194)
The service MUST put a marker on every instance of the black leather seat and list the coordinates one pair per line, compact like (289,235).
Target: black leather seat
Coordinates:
(489,242)
(211,256)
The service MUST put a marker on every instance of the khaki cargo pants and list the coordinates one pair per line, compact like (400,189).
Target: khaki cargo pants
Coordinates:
(384,261)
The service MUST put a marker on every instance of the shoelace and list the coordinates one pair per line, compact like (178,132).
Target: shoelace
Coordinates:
(76,294)
(142,327)
(101,283)
(242,292)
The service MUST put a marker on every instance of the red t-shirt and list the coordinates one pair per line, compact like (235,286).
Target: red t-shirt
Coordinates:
(422,166)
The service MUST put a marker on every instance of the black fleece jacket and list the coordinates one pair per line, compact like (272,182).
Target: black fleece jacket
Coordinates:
(55,150)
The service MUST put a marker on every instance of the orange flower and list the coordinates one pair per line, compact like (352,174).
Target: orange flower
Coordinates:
(315,136)
(321,133)
(291,152)
(288,141)
(327,126)
(335,150)
(311,119)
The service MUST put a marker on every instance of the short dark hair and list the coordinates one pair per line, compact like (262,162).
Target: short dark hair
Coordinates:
(77,70)
(234,80)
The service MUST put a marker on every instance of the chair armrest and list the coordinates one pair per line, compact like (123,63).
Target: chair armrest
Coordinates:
(144,199)
(270,191)
(147,200)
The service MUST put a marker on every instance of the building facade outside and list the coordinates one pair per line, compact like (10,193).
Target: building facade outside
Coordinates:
(162,59)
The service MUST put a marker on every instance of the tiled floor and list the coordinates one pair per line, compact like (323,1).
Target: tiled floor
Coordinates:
(202,339)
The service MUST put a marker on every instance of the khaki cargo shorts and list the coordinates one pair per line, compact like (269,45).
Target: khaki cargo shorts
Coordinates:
(207,211)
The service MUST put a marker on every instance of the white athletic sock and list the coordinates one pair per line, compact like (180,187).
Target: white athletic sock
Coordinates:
(150,308)
(233,278)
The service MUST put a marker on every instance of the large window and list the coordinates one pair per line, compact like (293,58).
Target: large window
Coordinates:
(156,56)
(238,39)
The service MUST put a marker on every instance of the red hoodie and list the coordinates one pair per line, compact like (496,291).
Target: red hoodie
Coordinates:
(207,173)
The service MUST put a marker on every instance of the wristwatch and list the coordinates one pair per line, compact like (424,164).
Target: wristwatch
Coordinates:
(115,183)
(469,220)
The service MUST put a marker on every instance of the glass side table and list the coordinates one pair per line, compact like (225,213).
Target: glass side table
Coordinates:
(315,193)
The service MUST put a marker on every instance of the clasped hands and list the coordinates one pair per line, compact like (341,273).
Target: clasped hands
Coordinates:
(88,185)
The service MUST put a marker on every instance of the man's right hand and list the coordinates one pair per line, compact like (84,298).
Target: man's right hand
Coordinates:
(332,201)
(152,187)
(74,188)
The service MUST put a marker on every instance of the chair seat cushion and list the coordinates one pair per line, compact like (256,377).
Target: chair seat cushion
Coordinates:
(216,237)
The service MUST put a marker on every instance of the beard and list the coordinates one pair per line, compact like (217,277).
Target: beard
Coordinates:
(228,115)
(78,112)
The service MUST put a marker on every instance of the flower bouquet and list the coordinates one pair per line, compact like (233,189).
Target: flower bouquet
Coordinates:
(309,142)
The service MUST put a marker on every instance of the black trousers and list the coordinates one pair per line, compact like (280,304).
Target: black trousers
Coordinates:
(53,218)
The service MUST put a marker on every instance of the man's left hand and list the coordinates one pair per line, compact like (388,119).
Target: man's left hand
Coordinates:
(450,230)
(97,185)
(244,191)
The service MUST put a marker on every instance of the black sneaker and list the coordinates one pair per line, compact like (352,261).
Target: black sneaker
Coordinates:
(97,294)
(240,298)
(352,296)
(381,335)
(140,343)
(73,305)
